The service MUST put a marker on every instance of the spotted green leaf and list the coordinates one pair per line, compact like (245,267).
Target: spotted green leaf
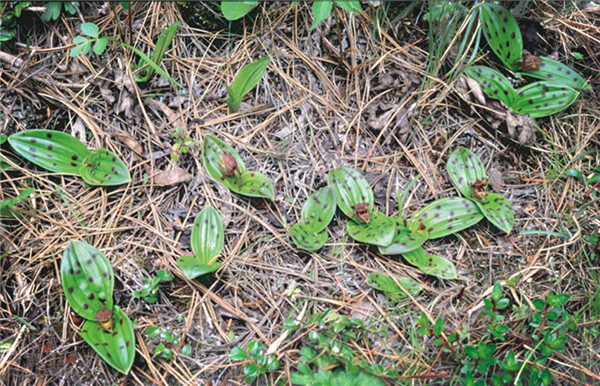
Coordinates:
(207,235)
(379,231)
(318,210)
(53,150)
(350,188)
(448,215)
(255,184)
(192,267)
(494,84)
(559,73)
(392,291)
(540,99)
(87,279)
(117,348)
(306,238)
(498,211)
(407,237)
(465,169)
(433,265)
(213,152)
(103,167)
(502,33)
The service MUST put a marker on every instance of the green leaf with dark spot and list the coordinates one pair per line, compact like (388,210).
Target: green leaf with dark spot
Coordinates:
(192,267)
(465,169)
(407,237)
(255,184)
(214,149)
(305,238)
(103,167)
(379,231)
(541,99)
(494,84)
(448,215)
(53,150)
(392,291)
(87,279)
(502,33)
(319,209)
(559,73)
(498,211)
(207,235)
(117,348)
(350,188)
(431,264)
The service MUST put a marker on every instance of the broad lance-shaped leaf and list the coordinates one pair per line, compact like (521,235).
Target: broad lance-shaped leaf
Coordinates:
(556,72)
(255,184)
(214,149)
(305,238)
(318,210)
(448,215)
(379,231)
(498,211)
(117,348)
(494,84)
(351,189)
(207,235)
(431,264)
(192,267)
(392,291)
(407,237)
(103,167)
(465,170)
(541,99)
(245,80)
(53,150)
(87,279)
(502,33)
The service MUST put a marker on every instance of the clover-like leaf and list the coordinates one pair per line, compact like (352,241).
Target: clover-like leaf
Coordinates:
(433,265)
(53,150)
(87,279)
(448,215)
(319,209)
(388,286)
(498,211)
(255,184)
(306,238)
(379,231)
(103,167)
(207,235)
(540,99)
(351,189)
(465,170)
(494,84)
(214,150)
(192,267)
(556,72)
(116,347)
(502,33)
(407,237)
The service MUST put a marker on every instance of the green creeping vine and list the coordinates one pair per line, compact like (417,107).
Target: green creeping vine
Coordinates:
(88,281)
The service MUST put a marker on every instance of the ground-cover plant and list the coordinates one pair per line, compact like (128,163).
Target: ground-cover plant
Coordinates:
(90,36)
(150,288)
(223,164)
(8,20)
(88,282)
(146,66)
(164,349)
(317,212)
(322,9)
(62,153)
(258,361)
(234,10)
(207,243)
(182,145)
(391,287)
(7,206)
(468,175)
(53,9)
(245,81)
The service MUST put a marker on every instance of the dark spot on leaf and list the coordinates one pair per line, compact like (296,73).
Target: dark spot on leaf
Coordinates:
(91,296)
(74,164)
(91,279)
(85,306)
(70,290)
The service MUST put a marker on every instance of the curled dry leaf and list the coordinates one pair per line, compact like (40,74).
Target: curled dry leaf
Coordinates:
(130,142)
(173,118)
(521,127)
(171,177)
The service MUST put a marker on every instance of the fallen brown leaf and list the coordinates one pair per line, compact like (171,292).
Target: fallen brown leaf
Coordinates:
(171,177)
(130,142)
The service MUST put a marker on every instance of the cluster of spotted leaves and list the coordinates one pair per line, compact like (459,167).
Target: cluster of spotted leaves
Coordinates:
(207,242)
(560,83)
(62,153)
(88,281)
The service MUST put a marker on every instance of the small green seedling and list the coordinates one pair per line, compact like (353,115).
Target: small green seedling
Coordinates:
(391,288)
(223,164)
(246,80)
(433,265)
(146,66)
(150,288)
(234,10)
(258,362)
(169,340)
(468,175)
(183,144)
(88,281)
(317,213)
(207,243)
(91,37)
(6,206)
